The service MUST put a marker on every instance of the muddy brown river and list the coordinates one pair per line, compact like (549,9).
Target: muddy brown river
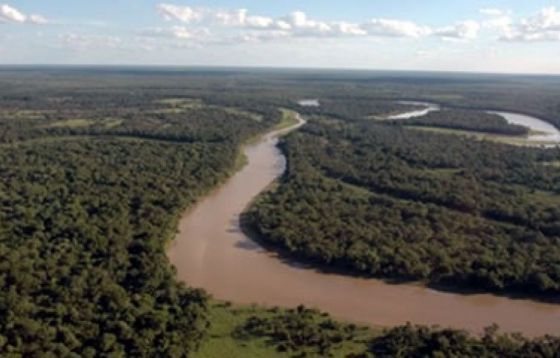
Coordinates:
(212,253)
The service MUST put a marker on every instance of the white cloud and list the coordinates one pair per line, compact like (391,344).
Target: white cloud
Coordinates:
(231,17)
(13,15)
(183,14)
(295,24)
(10,14)
(240,18)
(240,24)
(395,28)
(465,30)
(548,19)
(503,23)
(259,21)
(37,19)
(543,26)
(346,28)
(301,25)
(176,32)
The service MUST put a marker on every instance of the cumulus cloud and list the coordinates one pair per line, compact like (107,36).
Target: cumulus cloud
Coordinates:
(185,14)
(346,28)
(548,19)
(241,24)
(465,30)
(11,14)
(542,26)
(176,32)
(295,24)
(395,28)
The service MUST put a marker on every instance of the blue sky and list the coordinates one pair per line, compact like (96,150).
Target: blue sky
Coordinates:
(475,35)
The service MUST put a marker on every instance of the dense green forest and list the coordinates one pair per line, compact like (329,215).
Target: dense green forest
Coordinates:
(466,120)
(90,191)
(390,202)
(83,227)
(97,164)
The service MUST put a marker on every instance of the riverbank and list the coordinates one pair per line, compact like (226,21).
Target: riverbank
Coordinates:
(542,133)
(212,252)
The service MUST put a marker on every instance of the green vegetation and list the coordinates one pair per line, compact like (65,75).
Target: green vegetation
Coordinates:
(97,164)
(357,107)
(505,139)
(466,120)
(112,122)
(221,340)
(289,118)
(83,227)
(387,202)
(418,341)
(238,331)
(86,209)
(71,123)
(301,332)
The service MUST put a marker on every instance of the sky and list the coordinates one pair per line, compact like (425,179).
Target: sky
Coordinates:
(511,36)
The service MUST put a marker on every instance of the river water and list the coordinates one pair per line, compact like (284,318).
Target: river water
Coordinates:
(212,253)
(428,107)
(544,132)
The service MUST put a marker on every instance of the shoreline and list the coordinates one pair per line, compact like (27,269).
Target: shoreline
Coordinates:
(213,252)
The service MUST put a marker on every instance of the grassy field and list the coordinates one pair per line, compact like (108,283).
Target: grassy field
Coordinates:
(289,118)
(112,122)
(554,164)
(71,123)
(221,342)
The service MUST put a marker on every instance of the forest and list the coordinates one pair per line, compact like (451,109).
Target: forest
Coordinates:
(466,120)
(97,165)
(91,187)
(394,203)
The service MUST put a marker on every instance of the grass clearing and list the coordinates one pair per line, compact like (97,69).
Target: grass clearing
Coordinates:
(181,102)
(30,114)
(71,123)
(289,118)
(225,318)
(112,122)
(555,164)
(220,341)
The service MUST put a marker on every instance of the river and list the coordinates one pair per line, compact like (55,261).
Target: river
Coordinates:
(212,253)
(543,133)
(428,107)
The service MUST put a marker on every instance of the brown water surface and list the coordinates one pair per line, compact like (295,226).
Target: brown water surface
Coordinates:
(211,252)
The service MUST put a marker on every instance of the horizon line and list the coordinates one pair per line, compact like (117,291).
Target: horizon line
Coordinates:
(265,67)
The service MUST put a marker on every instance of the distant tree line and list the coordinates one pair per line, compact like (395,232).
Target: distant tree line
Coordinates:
(466,120)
